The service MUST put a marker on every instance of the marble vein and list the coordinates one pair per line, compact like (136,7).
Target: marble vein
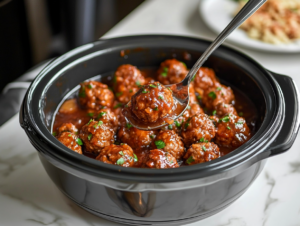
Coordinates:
(41,214)
(269,201)
(295,167)
(9,165)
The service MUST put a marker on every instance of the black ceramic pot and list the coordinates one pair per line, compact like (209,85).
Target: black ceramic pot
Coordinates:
(158,197)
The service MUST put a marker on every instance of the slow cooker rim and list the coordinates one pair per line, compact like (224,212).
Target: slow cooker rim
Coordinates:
(220,163)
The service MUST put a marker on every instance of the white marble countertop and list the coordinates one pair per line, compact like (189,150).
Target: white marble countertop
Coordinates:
(28,196)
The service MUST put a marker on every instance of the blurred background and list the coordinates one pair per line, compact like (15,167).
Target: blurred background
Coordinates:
(32,31)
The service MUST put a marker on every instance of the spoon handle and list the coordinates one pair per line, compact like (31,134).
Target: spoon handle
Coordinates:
(245,13)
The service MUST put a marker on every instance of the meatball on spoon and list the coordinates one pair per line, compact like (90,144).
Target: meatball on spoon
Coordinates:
(180,91)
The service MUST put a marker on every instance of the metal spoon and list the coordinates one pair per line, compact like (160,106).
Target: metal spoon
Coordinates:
(181,90)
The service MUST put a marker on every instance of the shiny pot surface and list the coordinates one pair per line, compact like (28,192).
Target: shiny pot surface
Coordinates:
(169,196)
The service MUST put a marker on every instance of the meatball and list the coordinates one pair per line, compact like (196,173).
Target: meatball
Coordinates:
(205,78)
(95,95)
(67,127)
(155,101)
(215,95)
(223,109)
(149,80)
(192,109)
(121,155)
(135,138)
(169,142)
(193,98)
(71,141)
(232,131)
(201,152)
(95,136)
(197,127)
(108,118)
(171,71)
(176,125)
(117,110)
(126,82)
(160,159)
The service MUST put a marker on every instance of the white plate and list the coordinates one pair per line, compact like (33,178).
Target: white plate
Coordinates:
(218,13)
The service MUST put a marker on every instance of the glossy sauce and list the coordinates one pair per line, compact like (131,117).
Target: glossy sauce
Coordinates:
(82,116)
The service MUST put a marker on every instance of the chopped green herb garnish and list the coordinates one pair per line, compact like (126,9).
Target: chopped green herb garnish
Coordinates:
(82,92)
(194,77)
(98,124)
(54,134)
(130,91)
(90,136)
(101,114)
(202,140)
(79,141)
(171,161)
(177,124)
(90,86)
(170,89)
(128,125)
(114,79)
(161,97)
(219,88)
(160,144)
(184,64)
(188,107)
(212,95)
(239,123)
(199,97)
(187,123)
(119,94)
(203,148)
(214,112)
(121,153)
(228,127)
(120,161)
(135,157)
(145,91)
(225,119)
(138,83)
(118,105)
(90,121)
(69,135)
(155,109)
(190,160)
(153,86)
(170,126)
(164,74)
(152,136)
(91,114)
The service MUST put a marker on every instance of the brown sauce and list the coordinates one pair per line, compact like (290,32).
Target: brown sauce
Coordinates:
(81,116)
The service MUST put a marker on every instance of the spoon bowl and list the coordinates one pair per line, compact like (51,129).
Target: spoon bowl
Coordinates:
(180,95)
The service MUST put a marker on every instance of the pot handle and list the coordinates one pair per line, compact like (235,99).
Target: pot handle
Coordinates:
(290,128)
